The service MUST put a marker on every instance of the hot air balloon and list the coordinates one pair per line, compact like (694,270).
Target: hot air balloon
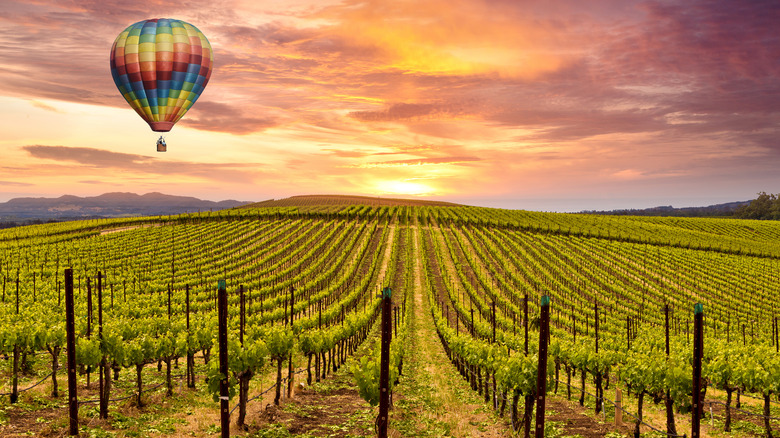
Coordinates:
(161,66)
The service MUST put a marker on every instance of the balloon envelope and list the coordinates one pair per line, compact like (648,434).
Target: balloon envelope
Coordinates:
(161,66)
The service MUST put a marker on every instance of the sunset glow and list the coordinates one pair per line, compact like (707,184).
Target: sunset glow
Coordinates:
(409,188)
(548,105)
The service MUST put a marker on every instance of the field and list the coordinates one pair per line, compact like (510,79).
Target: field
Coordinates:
(304,278)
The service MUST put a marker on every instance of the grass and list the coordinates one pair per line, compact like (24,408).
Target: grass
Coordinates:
(432,399)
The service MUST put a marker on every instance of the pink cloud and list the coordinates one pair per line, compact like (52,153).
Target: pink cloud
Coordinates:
(220,117)
(362,79)
(422,161)
(87,157)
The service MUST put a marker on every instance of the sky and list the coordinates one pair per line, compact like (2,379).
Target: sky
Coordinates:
(550,105)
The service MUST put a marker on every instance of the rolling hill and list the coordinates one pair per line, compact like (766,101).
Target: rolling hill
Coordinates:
(116,204)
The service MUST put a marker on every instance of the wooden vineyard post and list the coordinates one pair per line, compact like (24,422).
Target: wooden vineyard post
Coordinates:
(495,398)
(104,375)
(224,400)
(292,304)
(599,377)
(190,355)
(472,322)
(698,351)
(744,341)
(89,322)
(671,428)
(384,365)
(493,318)
(777,337)
(541,376)
(15,384)
(618,407)
(628,333)
(290,373)
(525,322)
(596,327)
(70,336)
(666,327)
(242,314)
(395,321)
(167,359)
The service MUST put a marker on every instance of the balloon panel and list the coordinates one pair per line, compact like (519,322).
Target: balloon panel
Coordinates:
(161,67)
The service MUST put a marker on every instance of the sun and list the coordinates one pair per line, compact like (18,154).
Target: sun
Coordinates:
(403,187)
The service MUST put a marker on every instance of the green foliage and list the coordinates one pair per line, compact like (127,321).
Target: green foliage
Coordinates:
(468,257)
(248,357)
(765,206)
(366,374)
(279,340)
(140,350)
(88,352)
(214,378)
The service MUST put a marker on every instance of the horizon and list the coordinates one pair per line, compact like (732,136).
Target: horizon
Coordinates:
(502,204)
(544,106)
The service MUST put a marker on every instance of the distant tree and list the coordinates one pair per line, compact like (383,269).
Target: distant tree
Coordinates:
(774,211)
(765,206)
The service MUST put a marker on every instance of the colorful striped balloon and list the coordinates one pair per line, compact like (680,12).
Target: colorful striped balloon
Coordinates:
(161,66)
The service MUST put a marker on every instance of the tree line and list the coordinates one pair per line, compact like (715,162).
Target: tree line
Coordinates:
(765,206)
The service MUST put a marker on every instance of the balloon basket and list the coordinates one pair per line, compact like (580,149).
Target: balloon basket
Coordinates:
(161,146)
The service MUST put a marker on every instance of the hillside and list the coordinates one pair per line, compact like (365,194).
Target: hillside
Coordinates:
(117,204)
(345,200)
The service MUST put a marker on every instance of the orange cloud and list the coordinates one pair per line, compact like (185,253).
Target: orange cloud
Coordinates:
(140,164)
(451,37)
(540,98)
(421,162)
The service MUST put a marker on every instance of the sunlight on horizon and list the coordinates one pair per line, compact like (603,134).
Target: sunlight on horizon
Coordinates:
(404,187)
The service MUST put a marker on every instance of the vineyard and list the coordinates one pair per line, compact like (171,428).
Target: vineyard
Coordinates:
(303,292)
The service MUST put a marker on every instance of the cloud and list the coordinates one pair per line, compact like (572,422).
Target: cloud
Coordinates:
(87,156)
(573,75)
(422,162)
(92,182)
(555,88)
(140,164)
(410,111)
(712,60)
(340,153)
(46,107)
(220,117)
(16,184)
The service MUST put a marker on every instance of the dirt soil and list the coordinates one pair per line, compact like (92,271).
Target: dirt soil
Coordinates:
(574,421)
(320,412)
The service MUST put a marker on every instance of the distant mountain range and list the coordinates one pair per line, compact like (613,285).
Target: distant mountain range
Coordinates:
(20,211)
(117,204)
(726,209)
